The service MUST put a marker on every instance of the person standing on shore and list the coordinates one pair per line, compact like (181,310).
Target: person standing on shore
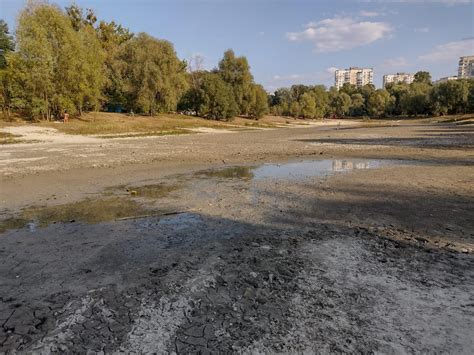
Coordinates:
(66,116)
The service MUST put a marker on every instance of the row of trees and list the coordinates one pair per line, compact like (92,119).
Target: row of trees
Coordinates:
(418,98)
(67,60)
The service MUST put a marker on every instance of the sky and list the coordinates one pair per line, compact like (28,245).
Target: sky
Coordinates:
(300,41)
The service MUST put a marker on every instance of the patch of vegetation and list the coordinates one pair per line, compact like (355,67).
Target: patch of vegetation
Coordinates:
(8,138)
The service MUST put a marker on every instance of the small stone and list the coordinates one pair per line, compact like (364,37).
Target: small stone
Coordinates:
(249,293)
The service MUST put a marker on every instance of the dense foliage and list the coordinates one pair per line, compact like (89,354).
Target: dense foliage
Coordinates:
(69,61)
(418,98)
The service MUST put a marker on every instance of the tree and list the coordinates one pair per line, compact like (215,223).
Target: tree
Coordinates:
(259,102)
(340,102)
(349,89)
(451,97)
(112,37)
(61,67)
(357,105)
(308,105)
(379,102)
(399,92)
(216,98)
(295,109)
(9,88)
(153,76)
(423,77)
(417,99)
(235,71)
(7,44)
(321,99)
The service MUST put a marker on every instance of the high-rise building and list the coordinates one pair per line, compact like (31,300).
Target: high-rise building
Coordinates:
(466,67)
(398,78)
(355,76)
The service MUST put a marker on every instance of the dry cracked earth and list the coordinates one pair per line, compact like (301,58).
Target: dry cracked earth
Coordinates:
(336,250)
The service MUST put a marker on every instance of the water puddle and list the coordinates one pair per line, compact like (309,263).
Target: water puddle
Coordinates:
(295,170)
(313,168)
(153,191)
(235,172)
(87,210)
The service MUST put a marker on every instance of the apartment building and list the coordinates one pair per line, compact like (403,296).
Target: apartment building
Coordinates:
(355,76)
(466,67)
(445,79)
(398,78)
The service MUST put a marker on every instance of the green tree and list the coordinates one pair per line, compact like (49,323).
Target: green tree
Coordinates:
(259,102)
(308,105)
(357,105)
(451,97)
(153,76)
(235,71)
(340,102)
(321,99)
(379,102)
(216,98)
(349,89)
(295,109)
(423,77)
(62,67)
(417,99)
(7,44)
(399,92)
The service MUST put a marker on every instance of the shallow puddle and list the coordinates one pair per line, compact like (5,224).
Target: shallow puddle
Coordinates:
(295,170)
(312,168)
(152,191)
(88,211)
(235,172)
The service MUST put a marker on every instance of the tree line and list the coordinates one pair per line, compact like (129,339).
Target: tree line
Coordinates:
(66,60)
(69,61)
(400,99)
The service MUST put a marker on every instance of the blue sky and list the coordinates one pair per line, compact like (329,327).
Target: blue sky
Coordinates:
(301,41)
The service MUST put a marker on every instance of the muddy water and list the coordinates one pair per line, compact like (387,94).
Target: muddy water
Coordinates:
(115,202)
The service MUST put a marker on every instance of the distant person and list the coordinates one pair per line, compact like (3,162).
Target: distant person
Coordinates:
(131,113)
(66,116)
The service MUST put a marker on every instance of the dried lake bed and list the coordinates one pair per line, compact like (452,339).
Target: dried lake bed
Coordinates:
(288,240)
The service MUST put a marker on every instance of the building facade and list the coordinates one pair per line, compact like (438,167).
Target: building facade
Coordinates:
(466,67)
(398,78)
(355,76)
(446,79)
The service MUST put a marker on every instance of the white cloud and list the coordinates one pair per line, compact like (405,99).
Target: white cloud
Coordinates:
(449,51)
(368,13)
(422,30)
(331,70)
(339,33)
(287,77)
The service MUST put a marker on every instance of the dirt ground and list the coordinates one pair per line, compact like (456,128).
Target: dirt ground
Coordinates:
(326,238)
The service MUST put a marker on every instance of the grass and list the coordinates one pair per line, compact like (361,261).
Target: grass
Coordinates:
(117,125)
(8,138)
